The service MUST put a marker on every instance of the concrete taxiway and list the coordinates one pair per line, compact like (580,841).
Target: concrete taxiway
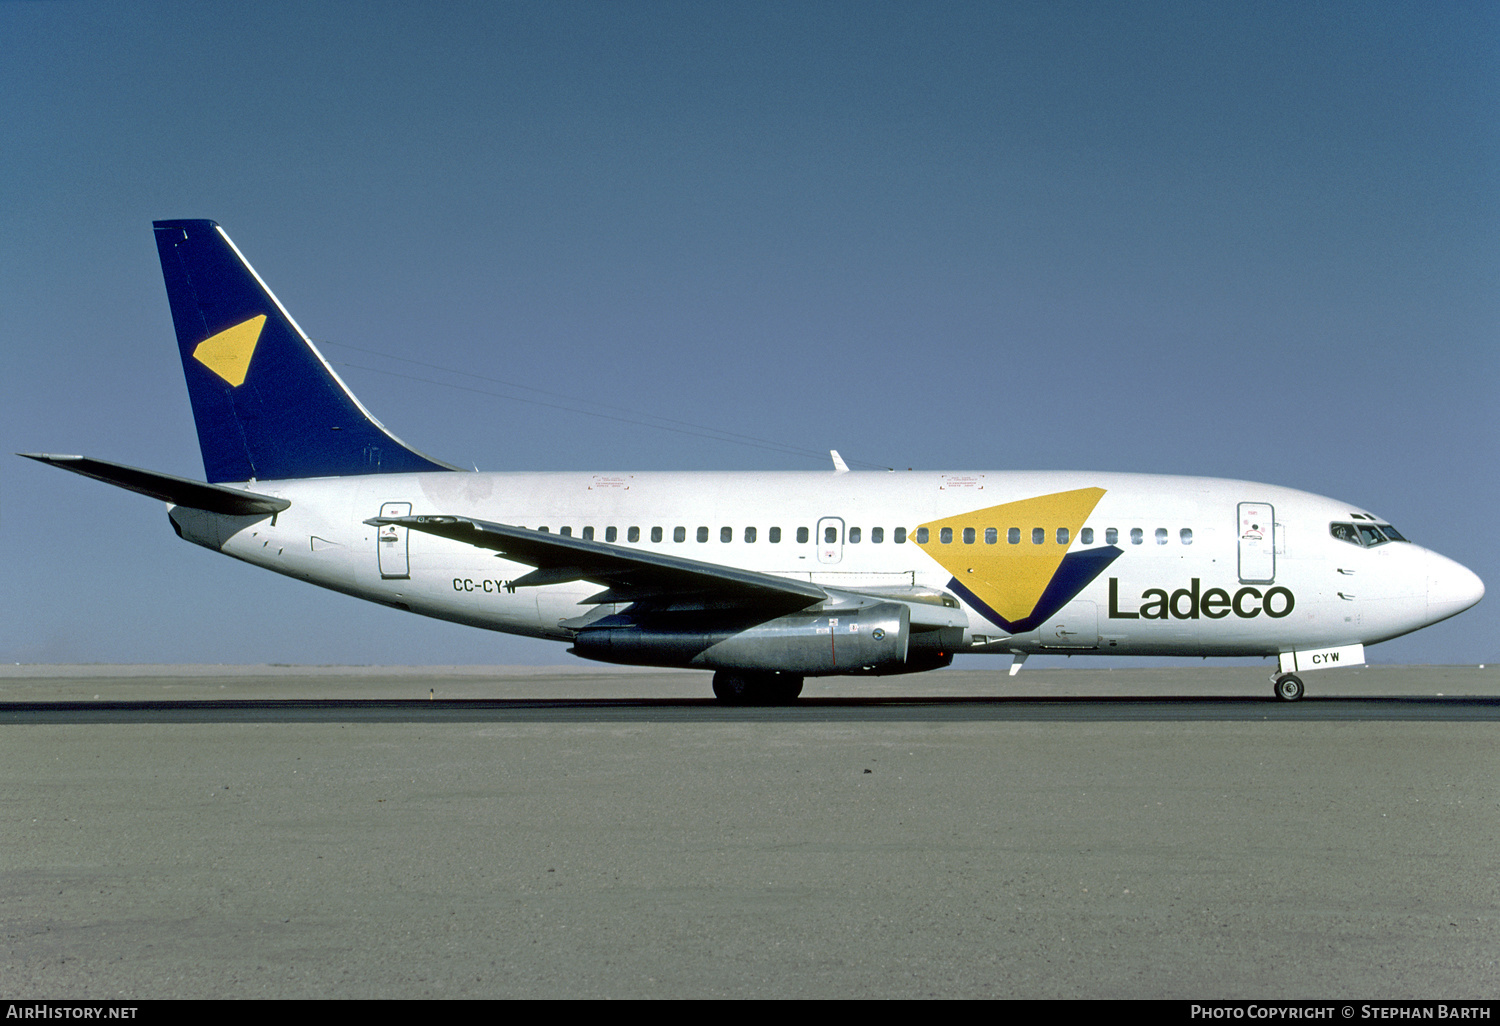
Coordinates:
(482,832)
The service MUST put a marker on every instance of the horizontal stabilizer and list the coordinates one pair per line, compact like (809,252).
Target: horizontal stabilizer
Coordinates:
(629,575)
(179,491)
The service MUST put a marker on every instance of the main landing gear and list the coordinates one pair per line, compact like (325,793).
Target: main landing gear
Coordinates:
(1288,687)
(738,687)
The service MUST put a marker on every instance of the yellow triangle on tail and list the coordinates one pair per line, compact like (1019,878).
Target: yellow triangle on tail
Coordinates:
(228,353)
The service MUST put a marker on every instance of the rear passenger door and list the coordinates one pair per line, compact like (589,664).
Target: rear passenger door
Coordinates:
(391,543)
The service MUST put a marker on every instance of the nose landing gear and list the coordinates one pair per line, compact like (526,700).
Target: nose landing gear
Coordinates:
(1288,687)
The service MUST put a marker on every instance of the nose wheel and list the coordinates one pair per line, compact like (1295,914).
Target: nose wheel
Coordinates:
(1289,687)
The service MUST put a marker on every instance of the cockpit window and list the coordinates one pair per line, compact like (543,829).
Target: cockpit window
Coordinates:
(1344,533)
(1366,535)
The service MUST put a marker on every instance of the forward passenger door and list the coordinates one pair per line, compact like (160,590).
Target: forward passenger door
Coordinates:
(1257,543)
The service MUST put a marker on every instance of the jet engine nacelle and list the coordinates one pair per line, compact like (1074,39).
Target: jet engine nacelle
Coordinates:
(871,639)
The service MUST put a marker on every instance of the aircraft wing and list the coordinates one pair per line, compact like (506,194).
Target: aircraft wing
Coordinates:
(627,574)
(180,491)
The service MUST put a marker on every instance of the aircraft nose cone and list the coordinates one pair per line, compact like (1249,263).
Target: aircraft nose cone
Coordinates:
(1451,588)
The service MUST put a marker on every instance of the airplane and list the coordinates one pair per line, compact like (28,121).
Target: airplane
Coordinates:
(764,578)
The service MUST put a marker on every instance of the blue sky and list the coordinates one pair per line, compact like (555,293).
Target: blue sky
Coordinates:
(1253,240)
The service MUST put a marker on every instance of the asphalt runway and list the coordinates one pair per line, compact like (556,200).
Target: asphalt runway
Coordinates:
(482,832)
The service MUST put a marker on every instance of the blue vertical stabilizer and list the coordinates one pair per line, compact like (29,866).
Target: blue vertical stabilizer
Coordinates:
(266,403)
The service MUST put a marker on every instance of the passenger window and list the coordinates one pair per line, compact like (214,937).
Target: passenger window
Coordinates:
(566,532)
(1038,535)
(877,535)
(854,535)
(922,536)
(801,536)
(610,534)
(679,534)
(1111,536)
(588,534)
(702,534)
(830,535)
(1161,536)
(991,536)
(1137,536)
(968,536)
(656,534)
(775,536)
(545,530)
(1186,534)
(726,534)
(633,535)
(1086,536)
(899,537)
(749,534)
(945,535)
(1062,536)
(1013,536)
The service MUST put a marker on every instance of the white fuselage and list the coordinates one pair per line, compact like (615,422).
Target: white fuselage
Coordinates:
(1189,578)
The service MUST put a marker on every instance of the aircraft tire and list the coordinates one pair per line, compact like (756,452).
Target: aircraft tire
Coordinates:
(734,687)
(1289,687)
(784,688)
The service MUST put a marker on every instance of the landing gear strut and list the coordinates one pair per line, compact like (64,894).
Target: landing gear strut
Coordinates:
(1289,687)
(737,687)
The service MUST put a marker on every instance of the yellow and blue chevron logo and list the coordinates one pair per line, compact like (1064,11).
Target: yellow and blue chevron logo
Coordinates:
(1018,584)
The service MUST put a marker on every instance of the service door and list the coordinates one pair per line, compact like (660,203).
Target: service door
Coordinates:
(392,542)
(1257,535)
(830,539)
